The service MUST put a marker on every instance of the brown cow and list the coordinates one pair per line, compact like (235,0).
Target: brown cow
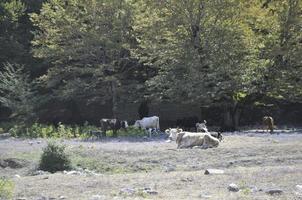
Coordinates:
(268,123)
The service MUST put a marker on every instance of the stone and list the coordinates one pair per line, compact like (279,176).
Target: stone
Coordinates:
(62,197)
(169,169)
(17,176)
(98,197)
(151,192)
(127,191)
(21,198)
(213,171)
(274,191)
(299,188)
(39,172)
(233,187)
(205,196)
(72,172)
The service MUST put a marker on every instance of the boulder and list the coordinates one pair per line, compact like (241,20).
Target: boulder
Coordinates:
(213,171)
(274,191)
(233,187)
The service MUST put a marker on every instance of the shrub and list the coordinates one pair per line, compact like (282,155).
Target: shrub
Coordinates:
(54,158)
(50,131)
(6,188)
(132,131)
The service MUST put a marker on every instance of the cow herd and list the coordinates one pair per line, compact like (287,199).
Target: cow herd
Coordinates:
(184,137)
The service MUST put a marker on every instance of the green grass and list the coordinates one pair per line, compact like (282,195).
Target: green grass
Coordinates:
(6,188)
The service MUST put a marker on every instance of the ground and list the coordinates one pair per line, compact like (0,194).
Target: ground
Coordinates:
(154,169)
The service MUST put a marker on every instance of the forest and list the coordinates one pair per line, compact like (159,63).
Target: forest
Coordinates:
(57,56)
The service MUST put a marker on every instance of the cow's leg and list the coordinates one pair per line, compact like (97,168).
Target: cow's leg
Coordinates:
(114,132)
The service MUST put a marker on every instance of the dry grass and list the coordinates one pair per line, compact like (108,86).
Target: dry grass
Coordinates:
(255,163)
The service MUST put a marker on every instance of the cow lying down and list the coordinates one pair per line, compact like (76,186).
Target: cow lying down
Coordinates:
(189,140)
(172,133)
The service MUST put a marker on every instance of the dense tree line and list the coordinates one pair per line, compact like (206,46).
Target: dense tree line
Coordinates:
(225,53)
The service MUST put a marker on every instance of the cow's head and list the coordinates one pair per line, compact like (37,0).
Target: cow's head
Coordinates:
(137,124)
(201,127)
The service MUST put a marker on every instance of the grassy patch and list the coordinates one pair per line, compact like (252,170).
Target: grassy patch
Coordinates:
(6,188)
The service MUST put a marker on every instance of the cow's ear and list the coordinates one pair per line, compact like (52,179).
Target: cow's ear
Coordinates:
(205,121)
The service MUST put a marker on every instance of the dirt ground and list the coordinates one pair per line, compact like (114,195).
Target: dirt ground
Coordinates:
(154,169)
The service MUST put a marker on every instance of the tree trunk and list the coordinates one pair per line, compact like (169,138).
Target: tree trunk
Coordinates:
(114,103)
(114,99)
(231,118)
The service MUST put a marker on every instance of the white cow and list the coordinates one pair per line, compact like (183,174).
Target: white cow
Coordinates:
(172,132)
(201,127)
(189,139)
(148,123)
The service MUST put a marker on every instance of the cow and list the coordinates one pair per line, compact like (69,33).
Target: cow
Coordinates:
(268,123)
(201,127)
(148,123)
(172,132)
(190,139)
(112,124)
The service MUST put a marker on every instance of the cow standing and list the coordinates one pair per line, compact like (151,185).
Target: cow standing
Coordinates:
(112,124)
(148,123)
(268,123)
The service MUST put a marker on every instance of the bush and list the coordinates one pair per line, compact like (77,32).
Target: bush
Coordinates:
(50,131)
(6,188)
(132,131)
(54,158)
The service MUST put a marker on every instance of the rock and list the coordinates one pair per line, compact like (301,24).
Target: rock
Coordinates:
(127,191)
(62,197)
(30,143)
(21,198)
(13,163)
(98,197)
(169,168)
(72,172)
(151,192)
(205,196)
(299,188)
(274,191)
(38,142)
(39,172)
(213,171)
(233,187)
(17,176)
(42,198)
(46,177)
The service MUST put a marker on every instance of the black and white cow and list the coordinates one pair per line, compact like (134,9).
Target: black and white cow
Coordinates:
(112,124)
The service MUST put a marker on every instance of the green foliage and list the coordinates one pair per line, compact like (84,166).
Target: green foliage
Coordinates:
(6,188)
(16,91)
(37,130)
(110,51)
(54,158)
(132,132)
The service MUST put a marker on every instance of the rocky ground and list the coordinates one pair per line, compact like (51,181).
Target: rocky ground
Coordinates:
(254,165)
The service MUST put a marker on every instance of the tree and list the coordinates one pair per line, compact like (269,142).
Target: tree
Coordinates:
(87,44)
(199,50)
(16,92)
